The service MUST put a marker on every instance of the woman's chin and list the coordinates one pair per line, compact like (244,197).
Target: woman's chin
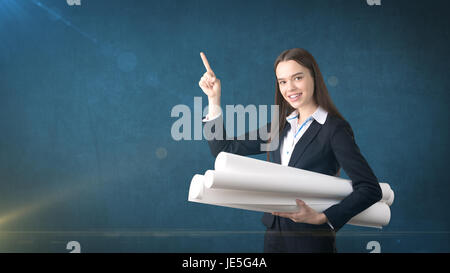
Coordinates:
(295,105)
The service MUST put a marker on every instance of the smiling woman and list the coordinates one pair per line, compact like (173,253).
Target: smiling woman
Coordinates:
(314,136)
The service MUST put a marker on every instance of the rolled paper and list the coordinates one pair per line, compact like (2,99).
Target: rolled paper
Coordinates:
(295,187)
(377,215)
(305,182)
(196,187)
(254,197)
(246,183)
(245,173)
(390,196)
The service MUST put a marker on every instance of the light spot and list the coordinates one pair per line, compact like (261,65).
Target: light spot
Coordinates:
(161,153)
(333,81)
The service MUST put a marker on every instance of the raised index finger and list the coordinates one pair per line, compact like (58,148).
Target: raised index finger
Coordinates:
(205,62)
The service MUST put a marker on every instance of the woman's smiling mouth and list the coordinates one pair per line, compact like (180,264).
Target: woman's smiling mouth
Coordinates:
(294,97)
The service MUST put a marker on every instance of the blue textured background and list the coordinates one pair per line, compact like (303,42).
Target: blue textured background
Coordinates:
(86,94)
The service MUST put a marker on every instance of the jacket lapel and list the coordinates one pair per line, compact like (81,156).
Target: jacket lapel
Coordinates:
(304,141)
(276,153)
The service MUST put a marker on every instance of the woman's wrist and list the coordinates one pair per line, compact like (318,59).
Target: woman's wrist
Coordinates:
(321,219)
(214,107)
(214,100)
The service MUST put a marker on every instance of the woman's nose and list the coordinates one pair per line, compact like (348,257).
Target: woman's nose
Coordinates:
(291,86)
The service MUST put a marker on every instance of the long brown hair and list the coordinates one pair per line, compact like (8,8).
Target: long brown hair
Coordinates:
(320,96)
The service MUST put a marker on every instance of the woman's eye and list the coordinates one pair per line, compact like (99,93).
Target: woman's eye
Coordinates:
(282,82)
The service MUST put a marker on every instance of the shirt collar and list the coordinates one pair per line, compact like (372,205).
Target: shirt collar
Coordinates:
(320,115)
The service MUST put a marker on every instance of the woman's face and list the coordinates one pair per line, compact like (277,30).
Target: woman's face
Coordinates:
(296,84)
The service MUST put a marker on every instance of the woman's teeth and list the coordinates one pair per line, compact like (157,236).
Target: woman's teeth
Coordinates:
(295,96)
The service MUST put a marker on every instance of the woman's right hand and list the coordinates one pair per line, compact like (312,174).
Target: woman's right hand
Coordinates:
(209,83)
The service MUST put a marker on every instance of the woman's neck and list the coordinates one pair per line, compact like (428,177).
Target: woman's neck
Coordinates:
(306,111)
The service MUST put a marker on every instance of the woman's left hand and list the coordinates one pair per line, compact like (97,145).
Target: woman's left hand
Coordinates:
(305,214)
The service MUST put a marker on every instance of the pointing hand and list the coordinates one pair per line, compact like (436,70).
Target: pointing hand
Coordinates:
(209,83)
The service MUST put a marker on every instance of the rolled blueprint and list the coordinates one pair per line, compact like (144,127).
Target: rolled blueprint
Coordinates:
(222,196)
(249,174)
(377,215)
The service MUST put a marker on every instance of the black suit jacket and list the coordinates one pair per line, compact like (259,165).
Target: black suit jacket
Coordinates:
(323,149)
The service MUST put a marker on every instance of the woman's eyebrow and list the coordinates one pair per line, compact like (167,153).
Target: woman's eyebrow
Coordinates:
(298,73)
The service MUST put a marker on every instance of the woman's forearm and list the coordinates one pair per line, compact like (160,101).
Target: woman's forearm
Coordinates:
(214,107)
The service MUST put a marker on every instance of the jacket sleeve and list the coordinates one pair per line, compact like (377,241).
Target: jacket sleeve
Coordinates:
(366,189)
(247,144)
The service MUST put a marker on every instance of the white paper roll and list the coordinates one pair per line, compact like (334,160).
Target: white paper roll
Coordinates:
(196,187)
(377,215)
(245,173)
(291,187)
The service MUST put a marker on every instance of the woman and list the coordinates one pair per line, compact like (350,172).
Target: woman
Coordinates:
(314,136)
